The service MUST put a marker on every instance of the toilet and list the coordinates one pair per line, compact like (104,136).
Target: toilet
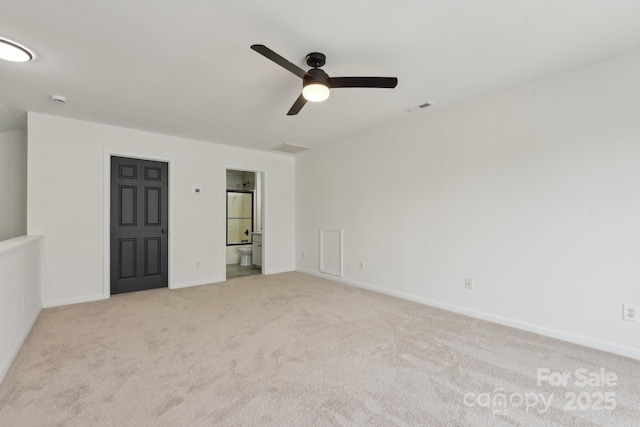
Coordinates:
(245,260)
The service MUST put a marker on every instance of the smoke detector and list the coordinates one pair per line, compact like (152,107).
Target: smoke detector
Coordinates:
(59,99)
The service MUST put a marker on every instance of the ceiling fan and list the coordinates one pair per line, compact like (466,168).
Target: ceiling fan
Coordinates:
(316,83)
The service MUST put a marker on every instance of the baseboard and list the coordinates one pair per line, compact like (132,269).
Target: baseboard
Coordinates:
(278,271)
(9,361)
(530,327)
(197,282)
(219,279)
(76,300)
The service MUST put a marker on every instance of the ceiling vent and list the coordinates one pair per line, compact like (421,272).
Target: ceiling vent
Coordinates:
(419,107)
(291,148)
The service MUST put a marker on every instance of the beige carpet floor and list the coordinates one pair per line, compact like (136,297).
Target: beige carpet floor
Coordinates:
(296,350)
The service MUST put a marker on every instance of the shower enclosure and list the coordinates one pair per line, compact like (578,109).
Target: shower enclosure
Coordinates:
(239,217)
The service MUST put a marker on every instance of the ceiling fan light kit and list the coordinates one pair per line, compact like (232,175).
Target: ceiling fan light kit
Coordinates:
(316,84)
(315,92)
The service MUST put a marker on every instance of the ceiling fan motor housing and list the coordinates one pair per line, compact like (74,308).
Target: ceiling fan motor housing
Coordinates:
(315,75)
(316,59)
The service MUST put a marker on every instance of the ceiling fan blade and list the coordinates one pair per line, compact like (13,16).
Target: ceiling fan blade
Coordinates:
(269,54)
(378,82)
(297,106)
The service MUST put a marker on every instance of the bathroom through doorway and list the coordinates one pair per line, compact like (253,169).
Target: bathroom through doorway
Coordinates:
(244,222)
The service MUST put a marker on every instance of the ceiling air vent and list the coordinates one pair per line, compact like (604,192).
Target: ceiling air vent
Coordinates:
(419,107)
(291,148)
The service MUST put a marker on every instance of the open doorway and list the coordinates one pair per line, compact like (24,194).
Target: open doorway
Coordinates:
(244,223)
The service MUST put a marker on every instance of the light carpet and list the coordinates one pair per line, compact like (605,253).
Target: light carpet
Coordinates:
(296,350)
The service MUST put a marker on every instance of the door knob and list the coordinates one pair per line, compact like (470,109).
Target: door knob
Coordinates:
(165,231)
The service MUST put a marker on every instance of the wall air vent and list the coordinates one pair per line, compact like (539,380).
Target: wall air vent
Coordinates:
(291,148)
(419,107)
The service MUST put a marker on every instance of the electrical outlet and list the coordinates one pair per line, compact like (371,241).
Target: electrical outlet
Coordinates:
(630,312)
(468,283)
(197,264)
(361,264)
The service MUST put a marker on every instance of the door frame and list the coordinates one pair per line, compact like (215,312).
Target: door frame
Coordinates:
(264,201)
(107,154)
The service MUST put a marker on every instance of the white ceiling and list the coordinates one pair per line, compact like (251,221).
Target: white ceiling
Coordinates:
(185,68)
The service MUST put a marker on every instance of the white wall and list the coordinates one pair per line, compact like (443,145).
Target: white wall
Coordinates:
(13,184)
(533,193)
(66,203)
(20,301)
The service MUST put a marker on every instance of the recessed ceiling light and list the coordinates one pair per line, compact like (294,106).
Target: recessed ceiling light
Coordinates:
(12,51)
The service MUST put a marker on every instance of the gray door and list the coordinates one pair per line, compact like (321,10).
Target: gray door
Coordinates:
(139,225)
